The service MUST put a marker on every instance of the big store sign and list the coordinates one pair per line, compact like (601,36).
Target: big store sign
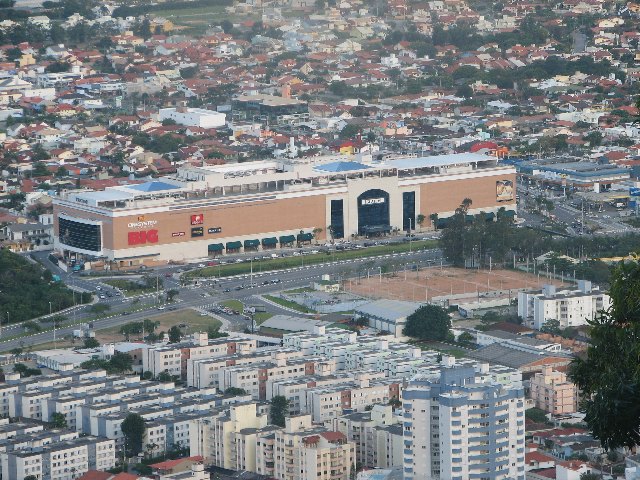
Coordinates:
(140,238)
(144,236)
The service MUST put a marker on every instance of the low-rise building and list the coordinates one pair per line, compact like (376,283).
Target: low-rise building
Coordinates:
(570,307)
(193,117)
(60,459)
(553,392)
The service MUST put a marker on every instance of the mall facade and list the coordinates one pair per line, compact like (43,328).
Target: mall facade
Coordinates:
(215,210)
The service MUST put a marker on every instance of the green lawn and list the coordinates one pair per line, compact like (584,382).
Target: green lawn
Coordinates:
(233,305)
(344,326)
(191,318)
(288,304)
(196,20)
(289,262)
(261,317)
(128,287)
(300,290)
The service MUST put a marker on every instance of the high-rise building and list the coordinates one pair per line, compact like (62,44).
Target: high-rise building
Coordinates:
(464,422)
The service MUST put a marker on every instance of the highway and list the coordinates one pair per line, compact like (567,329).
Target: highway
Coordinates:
(198,294)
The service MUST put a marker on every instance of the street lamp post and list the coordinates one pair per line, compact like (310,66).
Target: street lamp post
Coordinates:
(380,270)
(410,229)
(54,327)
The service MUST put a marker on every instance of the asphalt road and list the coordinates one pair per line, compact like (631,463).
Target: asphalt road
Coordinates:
(245,288)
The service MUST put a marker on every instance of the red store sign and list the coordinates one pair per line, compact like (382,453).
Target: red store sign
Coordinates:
(140,238)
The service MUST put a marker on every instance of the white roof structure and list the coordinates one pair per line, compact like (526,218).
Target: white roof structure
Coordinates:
(437,161)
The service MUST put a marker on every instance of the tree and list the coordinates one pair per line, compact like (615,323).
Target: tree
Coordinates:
(58,420)
(349,131)
(235,391)
(133,430)
(279,410)
(590,476)
(429,322)
(466,339)
(147,375)
(164,377)
(609,376)
(91,343)
(226,25)
(171,294)
(536,415)
(464,91)
(551,326)
(174,334)
(120,363)
(434,219)
(420,219)
(316,233)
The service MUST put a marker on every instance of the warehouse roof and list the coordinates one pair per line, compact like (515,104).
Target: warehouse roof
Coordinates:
(292,324)
(510,357)
(391,310)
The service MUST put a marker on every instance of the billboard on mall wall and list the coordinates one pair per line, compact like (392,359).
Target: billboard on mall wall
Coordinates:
(504,190)
(197,219)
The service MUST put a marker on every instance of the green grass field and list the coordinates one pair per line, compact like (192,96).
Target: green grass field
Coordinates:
(261,317)
(233,305)
(288,304)
(191,318)
(127,287)
(290,262)
(196,20)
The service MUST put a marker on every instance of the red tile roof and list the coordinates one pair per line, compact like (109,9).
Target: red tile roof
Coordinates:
(95,475)
(169,464)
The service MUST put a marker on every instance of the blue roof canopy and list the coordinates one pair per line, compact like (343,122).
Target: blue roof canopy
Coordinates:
(153,187)
(342,167)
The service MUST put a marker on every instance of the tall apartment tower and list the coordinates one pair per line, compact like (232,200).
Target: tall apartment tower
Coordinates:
(464,422)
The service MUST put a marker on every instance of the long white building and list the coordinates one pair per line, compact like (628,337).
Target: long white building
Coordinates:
(193,117)
(571,307)
(464,422)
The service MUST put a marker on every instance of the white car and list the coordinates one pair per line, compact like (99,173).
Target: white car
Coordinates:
(202,265)
(161,307)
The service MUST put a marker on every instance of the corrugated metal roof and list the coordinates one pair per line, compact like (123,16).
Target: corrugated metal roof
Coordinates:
(391,310)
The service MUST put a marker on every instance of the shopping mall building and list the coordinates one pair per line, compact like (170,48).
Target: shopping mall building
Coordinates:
(215,210)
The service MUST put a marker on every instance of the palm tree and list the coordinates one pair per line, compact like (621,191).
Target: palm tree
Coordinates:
(420,220)
(434,219)
(316,231)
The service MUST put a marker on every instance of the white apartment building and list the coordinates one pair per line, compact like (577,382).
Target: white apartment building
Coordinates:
(295,390)
(227,439)
(571,307)
(302,451)
(61,460)
(174,358)
(377,434)
(193,117)
(327,403)
(205,372)
(253,378)
(462,422)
